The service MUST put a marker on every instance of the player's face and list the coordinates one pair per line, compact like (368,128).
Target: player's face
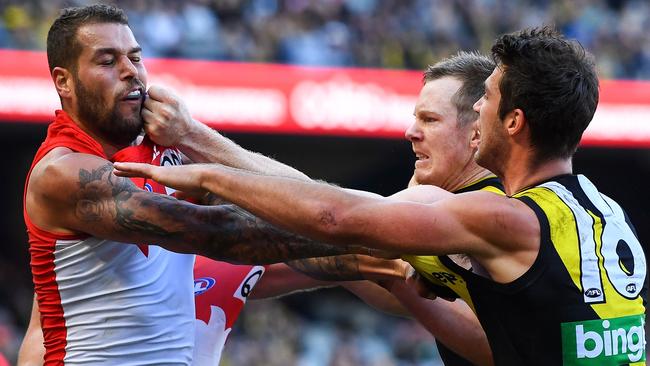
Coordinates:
(441,145)
(492,147)
(110,82)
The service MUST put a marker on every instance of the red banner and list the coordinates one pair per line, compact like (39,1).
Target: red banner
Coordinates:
(268,98)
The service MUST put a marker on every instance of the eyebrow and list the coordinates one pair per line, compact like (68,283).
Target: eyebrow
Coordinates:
(105,50)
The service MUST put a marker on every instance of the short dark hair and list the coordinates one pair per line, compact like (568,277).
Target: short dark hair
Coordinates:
(63,48)
(553,80)
(471,68)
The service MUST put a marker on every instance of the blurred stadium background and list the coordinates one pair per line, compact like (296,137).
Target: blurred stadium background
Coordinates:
(326,86)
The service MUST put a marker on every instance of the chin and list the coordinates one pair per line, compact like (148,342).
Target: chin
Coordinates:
(425,178)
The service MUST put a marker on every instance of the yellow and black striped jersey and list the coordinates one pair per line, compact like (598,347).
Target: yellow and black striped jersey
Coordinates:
(582,302)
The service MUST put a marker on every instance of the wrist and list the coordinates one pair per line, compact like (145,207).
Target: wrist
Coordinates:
(188,136)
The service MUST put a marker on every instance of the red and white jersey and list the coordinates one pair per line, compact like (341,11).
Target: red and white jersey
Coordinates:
(104,302)
(220,291)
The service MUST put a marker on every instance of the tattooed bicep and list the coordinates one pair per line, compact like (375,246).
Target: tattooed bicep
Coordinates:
(97,190)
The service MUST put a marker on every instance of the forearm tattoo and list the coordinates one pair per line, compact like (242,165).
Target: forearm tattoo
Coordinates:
(224,232)
(335,268)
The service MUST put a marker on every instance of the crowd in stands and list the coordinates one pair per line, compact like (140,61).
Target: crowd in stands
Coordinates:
(367,33)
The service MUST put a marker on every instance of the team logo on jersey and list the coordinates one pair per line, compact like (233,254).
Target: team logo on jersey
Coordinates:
(614,341)
(445,277)
(170,157)
(593,293)
(203,284)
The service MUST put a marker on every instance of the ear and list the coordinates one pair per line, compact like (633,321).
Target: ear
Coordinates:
(63,82)
(515,122)
(474,135)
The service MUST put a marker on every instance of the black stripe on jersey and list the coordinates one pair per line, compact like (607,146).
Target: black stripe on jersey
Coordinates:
(573,185)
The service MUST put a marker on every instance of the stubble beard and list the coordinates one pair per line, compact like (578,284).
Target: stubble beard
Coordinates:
(105,120)
(492,155)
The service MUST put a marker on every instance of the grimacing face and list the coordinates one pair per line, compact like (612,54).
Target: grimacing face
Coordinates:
(492,148)
(110,82)
(441,146)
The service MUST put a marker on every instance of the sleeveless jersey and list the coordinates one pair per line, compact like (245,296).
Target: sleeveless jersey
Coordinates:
(104,302)
(435,269)
(444,281)
(220,291)
(220,288)
(582,302)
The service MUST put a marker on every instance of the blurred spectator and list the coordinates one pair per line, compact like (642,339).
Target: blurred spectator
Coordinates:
(368,33)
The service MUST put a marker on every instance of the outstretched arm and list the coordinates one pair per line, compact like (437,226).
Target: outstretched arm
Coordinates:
(78,193)
(168,123)
(351,267)
(493,225)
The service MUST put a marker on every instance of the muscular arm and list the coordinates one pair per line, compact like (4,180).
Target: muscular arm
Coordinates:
(32,350)
(493,225)
(168,123)
(78,193)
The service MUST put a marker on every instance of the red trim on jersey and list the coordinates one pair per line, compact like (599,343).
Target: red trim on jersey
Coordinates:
(62,132)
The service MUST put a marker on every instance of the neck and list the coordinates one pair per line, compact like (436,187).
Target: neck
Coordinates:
(468,176)
(521,175)
(109,148)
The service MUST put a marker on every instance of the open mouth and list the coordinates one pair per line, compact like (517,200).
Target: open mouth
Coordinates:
(420,158)
(134,95)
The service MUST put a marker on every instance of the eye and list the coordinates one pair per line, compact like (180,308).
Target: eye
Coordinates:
(135,59)
(107,61)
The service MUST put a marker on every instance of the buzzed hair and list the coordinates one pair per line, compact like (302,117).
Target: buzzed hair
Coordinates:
(63,48)
(471,68)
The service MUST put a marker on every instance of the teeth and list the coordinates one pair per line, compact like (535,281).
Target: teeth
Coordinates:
(135,93)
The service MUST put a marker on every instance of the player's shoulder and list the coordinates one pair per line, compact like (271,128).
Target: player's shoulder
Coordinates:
(61,165)
(500,218)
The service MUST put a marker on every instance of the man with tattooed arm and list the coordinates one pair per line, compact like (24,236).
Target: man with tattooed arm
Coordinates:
(100,299)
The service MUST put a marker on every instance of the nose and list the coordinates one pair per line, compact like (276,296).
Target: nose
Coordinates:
(477,105)
(127,68)
(413,133)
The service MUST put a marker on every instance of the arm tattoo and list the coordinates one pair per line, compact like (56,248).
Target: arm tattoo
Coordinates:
(224,232)
(335,268)
(213,199)
(242,237)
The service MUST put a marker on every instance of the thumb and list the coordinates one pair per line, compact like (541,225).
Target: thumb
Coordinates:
(159,93)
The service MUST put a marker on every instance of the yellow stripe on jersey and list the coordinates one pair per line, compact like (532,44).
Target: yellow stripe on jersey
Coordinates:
(493,190)
(562,229)
(431,268)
